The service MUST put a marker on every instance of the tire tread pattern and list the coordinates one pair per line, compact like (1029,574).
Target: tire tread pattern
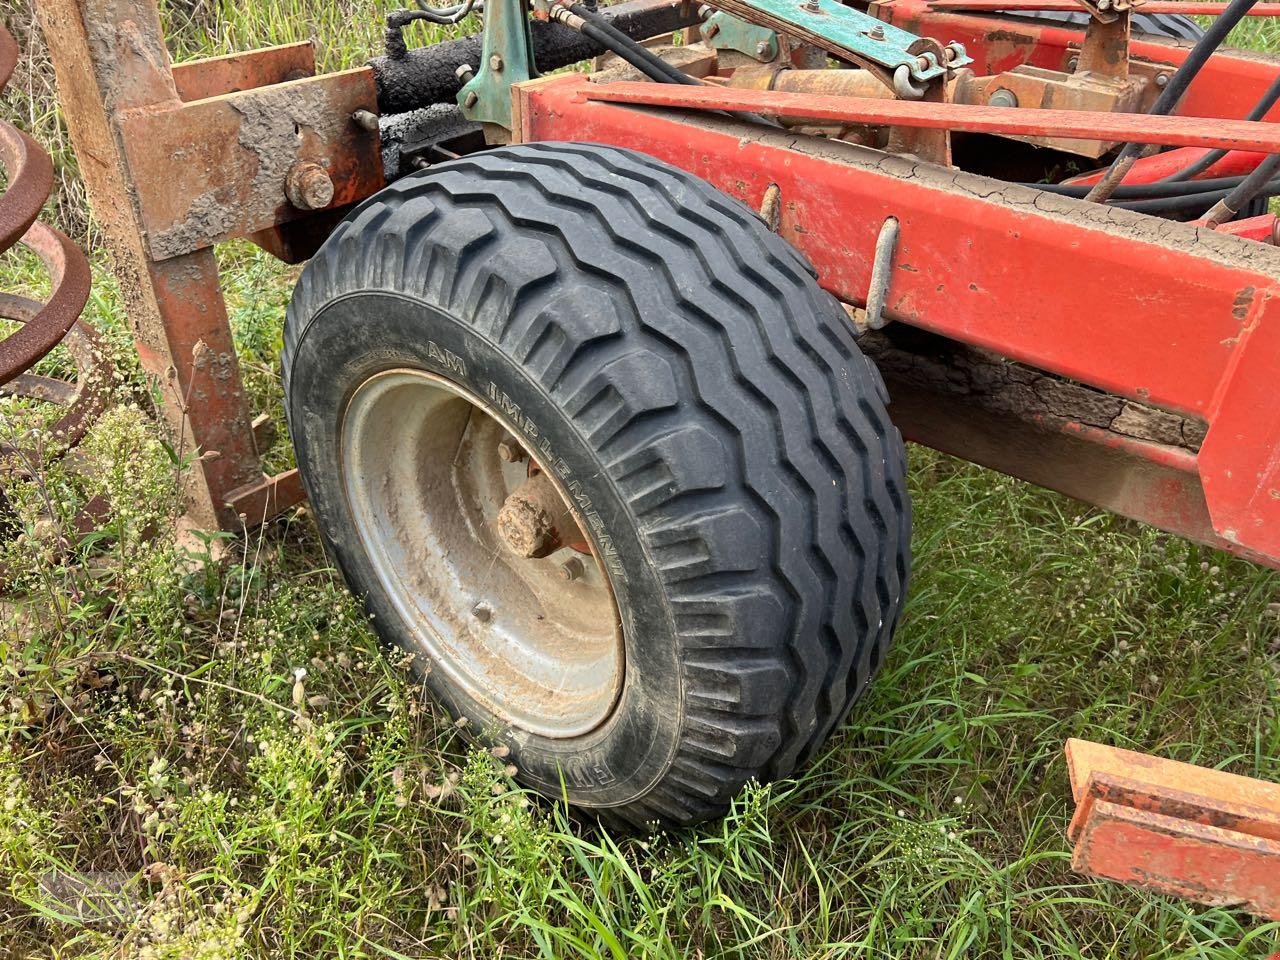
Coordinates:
(725,396)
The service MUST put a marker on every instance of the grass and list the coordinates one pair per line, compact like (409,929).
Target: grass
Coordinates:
(227,741)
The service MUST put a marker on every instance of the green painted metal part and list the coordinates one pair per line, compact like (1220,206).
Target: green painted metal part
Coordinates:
(507,60)
(852,31)
(724,31)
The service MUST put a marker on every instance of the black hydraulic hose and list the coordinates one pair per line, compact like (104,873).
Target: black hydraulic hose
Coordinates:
(1258,181)
(1169,97)
(1146,191)
(1260,110)
(594,27)
(1193,201)
(607,35)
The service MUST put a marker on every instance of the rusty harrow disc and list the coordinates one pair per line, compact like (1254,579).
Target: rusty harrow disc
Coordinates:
(44,325)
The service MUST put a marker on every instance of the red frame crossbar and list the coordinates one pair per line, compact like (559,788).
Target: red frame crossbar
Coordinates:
(1156,311)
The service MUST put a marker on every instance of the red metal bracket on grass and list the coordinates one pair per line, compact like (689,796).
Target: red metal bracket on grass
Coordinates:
(1176,828)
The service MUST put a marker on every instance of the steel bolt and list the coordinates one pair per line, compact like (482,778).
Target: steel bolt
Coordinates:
(876,33)
(1072,64)
(510,450)
(812,6)
(308,187)
(366,120)
(471,100)
(571,569)
(710,29)
(482,612)
(1003,98)
(495,63)
(762,49)
(464,72)
(705,11)
(1162,80)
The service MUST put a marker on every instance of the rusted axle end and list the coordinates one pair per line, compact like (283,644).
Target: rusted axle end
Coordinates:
(1176,828)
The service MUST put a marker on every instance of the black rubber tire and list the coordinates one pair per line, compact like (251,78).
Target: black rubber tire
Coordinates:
(684,363)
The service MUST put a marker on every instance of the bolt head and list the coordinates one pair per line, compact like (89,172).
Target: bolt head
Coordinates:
(876,33)
(571,569)
(495,63)
(482,612)
(1003,98)
(510,451)
(307,186)
(1072,64)
(471,100)
(1162,80)
(464,72)
(762,49)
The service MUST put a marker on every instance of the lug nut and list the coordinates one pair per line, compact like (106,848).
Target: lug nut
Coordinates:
(571,569)
(482,612)
(510,450)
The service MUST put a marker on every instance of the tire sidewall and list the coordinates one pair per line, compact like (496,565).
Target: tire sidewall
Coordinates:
(364,333)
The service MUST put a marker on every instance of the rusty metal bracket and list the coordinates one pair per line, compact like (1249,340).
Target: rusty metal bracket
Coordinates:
(237,163)
(1176,828)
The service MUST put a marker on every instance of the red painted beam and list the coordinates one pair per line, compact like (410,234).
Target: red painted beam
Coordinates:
(1175,828)
(1151,310)
(1025,122)
(1188,7)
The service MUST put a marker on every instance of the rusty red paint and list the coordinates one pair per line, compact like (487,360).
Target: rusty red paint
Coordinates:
(1176,828)
(218,168)
(215,76)
(971,118)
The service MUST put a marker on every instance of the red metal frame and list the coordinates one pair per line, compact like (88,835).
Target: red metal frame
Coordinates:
(1155,311)
(1175,828)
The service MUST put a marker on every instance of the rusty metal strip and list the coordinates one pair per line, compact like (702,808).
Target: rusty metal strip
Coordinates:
(1033,122)
(216,76)
(1188,7)
(220,167)
(1176,828)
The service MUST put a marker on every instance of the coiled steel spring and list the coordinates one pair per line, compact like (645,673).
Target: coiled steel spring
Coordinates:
(43,326)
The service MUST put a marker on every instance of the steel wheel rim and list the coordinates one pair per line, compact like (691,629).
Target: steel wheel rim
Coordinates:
(424,484)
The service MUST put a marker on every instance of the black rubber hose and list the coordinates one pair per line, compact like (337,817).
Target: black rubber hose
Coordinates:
(1169,97)
(1191,201)
(1260,110)
(607,35)
(1257,182)
(426,75)
(652,67)
(1146,191)
(596,28)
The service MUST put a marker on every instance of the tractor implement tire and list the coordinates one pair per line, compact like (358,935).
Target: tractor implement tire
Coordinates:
(595,448)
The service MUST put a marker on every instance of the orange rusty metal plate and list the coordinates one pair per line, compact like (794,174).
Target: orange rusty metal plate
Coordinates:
(214,76)
(214,169)
(1176,828)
